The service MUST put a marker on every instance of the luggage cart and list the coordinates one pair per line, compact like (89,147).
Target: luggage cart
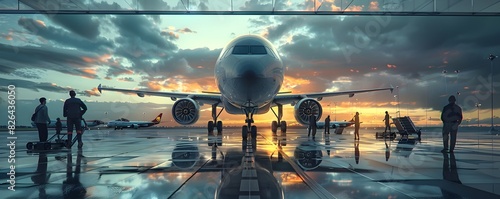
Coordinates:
(57,144)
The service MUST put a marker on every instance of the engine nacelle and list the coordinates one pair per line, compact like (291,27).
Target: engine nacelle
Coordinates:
(305,108)
(135,126)
(186,111)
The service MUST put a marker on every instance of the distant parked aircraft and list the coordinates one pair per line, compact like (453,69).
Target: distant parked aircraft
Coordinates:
(337,125)
(125,123)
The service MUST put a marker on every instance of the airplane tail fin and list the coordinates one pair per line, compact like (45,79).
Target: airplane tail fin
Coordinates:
(157,119)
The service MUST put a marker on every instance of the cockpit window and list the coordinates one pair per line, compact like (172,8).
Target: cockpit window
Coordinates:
(260,50)
(240,50)
(245,50)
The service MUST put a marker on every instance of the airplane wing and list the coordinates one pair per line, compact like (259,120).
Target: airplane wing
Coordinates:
(206,98)
(292,98)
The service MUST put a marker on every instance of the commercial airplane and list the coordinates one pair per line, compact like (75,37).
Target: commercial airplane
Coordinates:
(249,74)
(90,123)
(337,125)
(124,123)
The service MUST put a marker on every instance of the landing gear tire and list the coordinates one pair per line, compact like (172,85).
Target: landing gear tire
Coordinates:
(283,127)
(29,145)
(219,128)
(210,128)
(274,127)
(253,131)
(244,132)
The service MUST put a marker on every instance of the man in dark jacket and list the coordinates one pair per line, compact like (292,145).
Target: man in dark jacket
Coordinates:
(451,117)
(312,126)
(327,125)
(356,126)
(74,109)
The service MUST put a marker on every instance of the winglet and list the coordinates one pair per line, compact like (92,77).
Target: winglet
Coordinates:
(392,88)
(99,88)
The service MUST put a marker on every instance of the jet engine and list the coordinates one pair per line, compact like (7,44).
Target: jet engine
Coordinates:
(305,108)
(186,111)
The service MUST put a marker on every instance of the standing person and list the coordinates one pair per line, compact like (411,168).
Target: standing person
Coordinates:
(58,128)
(387,123)
(327,124)
(451,117)
(74,109)
(312,126)
(356,126)
(41,119)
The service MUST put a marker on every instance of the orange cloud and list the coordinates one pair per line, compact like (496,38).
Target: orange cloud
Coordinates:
(40,22)
(374,6)
(289,83)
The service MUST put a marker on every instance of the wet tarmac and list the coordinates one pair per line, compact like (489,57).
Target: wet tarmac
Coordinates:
(187,163)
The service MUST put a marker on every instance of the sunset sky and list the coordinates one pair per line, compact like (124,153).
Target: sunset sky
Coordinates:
(427,58)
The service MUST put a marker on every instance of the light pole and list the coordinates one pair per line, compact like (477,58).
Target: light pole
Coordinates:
(491,58)
(478,105)
(445,82)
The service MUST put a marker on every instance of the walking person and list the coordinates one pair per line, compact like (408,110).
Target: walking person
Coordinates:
(58,128)
(451,117)
(356,126)
(42,119)
(74,109)
(387,123)
(327,124)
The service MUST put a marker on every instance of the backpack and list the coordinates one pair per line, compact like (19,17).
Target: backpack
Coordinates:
(33,117)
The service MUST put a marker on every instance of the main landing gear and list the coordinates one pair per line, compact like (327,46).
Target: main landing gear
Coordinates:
(278,124)
(215,124)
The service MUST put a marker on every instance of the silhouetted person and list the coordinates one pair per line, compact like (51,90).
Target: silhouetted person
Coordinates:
(356,151)
(41,178)
(58,128)
(356,126)
(387,123)
(451,117)
(312,126)
(74,109)
(41,119)
(327,125)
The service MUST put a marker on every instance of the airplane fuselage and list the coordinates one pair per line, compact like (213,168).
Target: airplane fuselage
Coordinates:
(249,74)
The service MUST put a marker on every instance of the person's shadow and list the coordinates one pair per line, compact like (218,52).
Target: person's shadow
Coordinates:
(72,187)
(387,150)
(356,151)
(327,144)
(41,178)
(450,172)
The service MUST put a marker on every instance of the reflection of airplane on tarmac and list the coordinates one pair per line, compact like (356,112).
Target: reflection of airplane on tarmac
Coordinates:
(249,74)
(124,123)
(90,123)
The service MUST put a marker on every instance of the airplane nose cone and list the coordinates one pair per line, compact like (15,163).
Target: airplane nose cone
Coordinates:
(250,70)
